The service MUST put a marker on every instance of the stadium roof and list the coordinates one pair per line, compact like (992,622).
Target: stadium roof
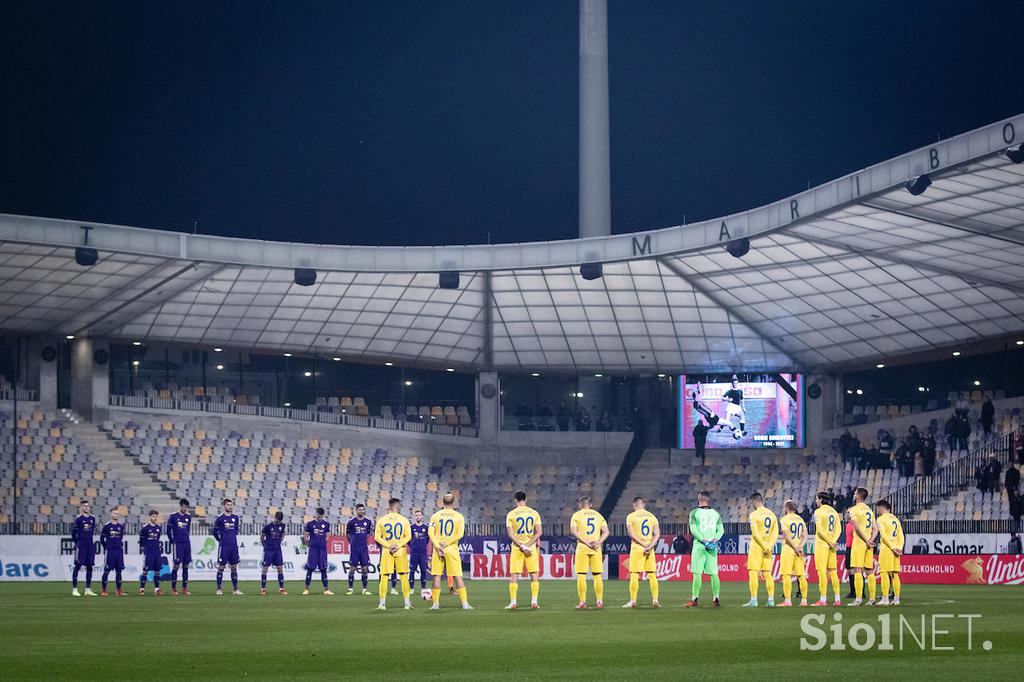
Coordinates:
(855,270)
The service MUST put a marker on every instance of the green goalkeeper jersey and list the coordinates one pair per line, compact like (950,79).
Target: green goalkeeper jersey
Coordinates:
(705,524)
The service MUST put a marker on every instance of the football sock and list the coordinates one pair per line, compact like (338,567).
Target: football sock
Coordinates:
(263,581)
(88,577)
(716,585)
(323,578)
(634,586)
(174,577)
(698,578)
(823,585)
(156,580)
(803,586)
(835,584)
(858,586)
(752,582)
(142,581)
(451,582)
(382,588)
(769,585)
(406,587)
(872,587)
(309,577)
(896,585)
(653,580)
(394,580)
(534,590)
(103,580)
(435,595)
(184,577)
(234,578)
(280,580)
(220,578)
(513,589)
(599,587)
(351,580)
(581,587)
(885,585)
(463,595)
(74,575)
(787,588)
(117,579)
(366,580)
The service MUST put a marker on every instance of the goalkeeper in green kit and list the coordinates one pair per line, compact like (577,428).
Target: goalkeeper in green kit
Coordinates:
(706,528)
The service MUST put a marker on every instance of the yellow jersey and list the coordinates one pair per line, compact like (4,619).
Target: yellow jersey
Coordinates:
(644,525)
(827,523)
(764,527)
(863,520)
(392,529)
(890,532)
(523,523)
(588,524)
(797,529)
(447,526)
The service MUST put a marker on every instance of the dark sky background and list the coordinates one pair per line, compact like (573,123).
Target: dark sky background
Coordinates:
(448,122)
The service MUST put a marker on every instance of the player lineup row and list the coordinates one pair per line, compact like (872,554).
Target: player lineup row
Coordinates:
(410,546)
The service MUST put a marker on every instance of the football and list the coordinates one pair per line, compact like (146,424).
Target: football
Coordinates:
(425,593)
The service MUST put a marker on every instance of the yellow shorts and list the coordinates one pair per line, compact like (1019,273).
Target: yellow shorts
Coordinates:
(449,562)
(757,560)
(791,564)
(394,563)
(824,557)
(861,555)
(588,559)
(888,562)
(638,563)
(518,560)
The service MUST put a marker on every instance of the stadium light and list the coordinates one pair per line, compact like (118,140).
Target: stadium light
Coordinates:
(136,343)
(578,394)
(388,364)
(591,271)
(977,382)
(449,369)
(956,354)
(220,366)
(598,375)
(448,279)
(918,184)
(535,374)
(661,376)
(304,277)
(135,363)
(86,257)
(69,337)
(921,389)
(336,359)
(860,391)
(1020,342)
(880,365)
(849,391)
(217,349)
(287,355)
(287,404)
(307,374)
(738,247)
(408,382)
(1016,154)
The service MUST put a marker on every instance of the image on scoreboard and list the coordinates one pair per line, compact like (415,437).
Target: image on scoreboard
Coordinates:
(742,410)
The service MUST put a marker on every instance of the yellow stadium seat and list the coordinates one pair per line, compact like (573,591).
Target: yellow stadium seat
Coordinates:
(97,475)
(166,426)
(69,484)
(314,494)
(128,434)
(432,486)
(293,485)
(37,416)
(275,452)
(242,493)
(261,468)
(55,433)
(318,477)
(364,486)
(173,441)
(174,476)
(46,509)
(200,434)
(190,467)
(332,468)
(246,475)
(300,502)
(206,451)
(243,442)
(90,492)
(314,444)
(22,423)
(74,500)
(200,510)
(220,485)
(39,465)
(26,440)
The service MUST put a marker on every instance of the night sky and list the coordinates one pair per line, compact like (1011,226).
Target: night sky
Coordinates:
(456,122)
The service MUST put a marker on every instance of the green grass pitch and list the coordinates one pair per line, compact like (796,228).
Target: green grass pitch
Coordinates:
(50,635)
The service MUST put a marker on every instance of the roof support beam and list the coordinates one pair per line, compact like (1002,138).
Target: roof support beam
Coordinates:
(672,265)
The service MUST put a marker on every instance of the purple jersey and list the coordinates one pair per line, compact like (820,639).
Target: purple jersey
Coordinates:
(418,544)
(272,535)
(112,539)
(149,539)
(178,527)
(225,530)
(318,530)
(358,530)
(85,526)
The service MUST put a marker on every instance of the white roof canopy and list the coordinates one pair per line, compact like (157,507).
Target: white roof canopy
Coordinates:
(855,270)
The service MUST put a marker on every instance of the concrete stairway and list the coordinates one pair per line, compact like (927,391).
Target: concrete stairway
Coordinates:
(644,481)
(146,491)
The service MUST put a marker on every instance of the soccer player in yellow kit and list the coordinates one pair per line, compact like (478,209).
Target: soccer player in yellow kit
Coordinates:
(828,526)
(392,533)
(764,532)
(590,530)
(862,561)
(524,529)
(791,562)
(890,548)
(644,530)
(447,527)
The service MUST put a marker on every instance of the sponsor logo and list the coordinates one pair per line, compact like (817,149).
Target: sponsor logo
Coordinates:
(209,547)
(24,569)
(889,633)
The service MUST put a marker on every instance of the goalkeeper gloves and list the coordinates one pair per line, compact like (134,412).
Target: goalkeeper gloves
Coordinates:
(711,545)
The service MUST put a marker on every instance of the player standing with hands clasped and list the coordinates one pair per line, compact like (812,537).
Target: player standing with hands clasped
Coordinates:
(590,530)
(707,529)
(644,531)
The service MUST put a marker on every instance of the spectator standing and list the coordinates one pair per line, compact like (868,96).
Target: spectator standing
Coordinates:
(563,417)
(963,432)
(1013,499)
(806,515)
(885,447)
(993,472)
(1013,546)
(930,453)
(951,431)
(700,439)
(904,460)
(988,415)
(981,479)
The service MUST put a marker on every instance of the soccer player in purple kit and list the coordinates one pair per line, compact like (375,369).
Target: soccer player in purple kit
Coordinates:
(150,548)
(314,535)
(271,537)
(112,541)
(419,557)
(85,550)
(178,526)
(225,532)
(358,531)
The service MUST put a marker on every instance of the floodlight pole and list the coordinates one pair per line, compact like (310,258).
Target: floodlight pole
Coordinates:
(14,439)
(595,174)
